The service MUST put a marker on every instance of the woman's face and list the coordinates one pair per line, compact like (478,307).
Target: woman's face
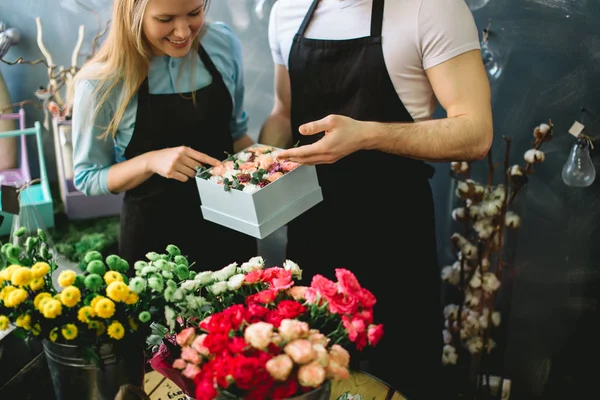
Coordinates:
(170,26)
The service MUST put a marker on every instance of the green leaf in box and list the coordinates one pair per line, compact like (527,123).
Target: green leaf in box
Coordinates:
(255,193)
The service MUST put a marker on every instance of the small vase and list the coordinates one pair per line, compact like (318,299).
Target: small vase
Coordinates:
(76,377)
(323,392)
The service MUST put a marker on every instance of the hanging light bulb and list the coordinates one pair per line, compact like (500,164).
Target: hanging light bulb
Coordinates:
(579,169)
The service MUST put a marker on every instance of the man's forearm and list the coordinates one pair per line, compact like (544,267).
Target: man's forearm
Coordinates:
(276,131)
(441,140)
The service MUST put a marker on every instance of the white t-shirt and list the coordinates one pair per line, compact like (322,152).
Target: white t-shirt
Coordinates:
(416,35)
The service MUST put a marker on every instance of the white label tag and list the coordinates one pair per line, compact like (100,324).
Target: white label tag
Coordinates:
(576,128)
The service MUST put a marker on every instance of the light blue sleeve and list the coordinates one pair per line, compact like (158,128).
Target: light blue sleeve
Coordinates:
(239,120)
(92,156)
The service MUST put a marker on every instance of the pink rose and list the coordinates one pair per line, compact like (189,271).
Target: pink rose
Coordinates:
(246,166)
(185,337)
(274,176)
(191,355)
(259,335)
(336,372)
(179,364)
(292,329)
(326,287)
(347,280)
(300,350)
(297,292)
(279,367)
(264,161)
(198,345)
(312,375)
(191,371)
(322,355)
(288,166)
(316,337)
(374,333)
(339,355)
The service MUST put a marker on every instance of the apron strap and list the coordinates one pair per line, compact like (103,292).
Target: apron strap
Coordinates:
(210,66)
(376,18)
(308,17)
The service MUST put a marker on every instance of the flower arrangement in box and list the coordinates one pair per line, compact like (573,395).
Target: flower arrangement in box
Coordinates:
(282,340)
(248,170)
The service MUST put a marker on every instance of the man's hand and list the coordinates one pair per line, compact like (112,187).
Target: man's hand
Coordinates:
(343,136)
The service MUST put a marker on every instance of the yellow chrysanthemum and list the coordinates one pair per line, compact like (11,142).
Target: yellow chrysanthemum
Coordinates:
(36,284)
(37,302)
(24,321)
(116,330)
(112,276)
(117,291)
(132,323)
(132,298)
(67,278)
(70,296)
(105,308)
(36,329)
(98,326)
(95,301)
(5,292)
(69,331)
(4,322)
(40,269)
(21,276)
(16,297)
(85,313)
(53,334)
(52,309)
(6,273)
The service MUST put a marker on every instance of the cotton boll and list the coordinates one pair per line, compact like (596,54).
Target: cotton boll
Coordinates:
(450,275)
(485,264)
(533,156)
(515,170)
(459,214)
(512,220)
(460,167)
(465,190)
(449,355)
(484,228)
(496,318)
(474,345)
(492,208)
(475,281)
(490,282)
(447,336)
(468,250)
(451,311)
(472,298)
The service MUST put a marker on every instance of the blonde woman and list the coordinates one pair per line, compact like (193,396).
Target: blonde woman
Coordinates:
(163,95)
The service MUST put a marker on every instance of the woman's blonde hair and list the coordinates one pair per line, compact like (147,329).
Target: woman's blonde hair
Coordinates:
(122,61)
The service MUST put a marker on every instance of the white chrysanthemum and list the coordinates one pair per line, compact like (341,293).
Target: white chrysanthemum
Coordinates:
(218,287)
(204,277)
(235,282)
(225,273)
(294,268)
(250,188)
(253,264)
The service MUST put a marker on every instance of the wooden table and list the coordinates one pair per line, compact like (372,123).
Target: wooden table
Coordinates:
(370,388)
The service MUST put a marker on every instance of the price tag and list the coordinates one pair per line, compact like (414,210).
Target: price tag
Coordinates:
(576,128)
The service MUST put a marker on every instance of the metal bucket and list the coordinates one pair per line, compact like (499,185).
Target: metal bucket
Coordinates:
(75,378)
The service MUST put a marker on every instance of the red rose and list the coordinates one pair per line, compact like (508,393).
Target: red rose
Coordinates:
(205,390)
(326,287)
(248,372)
(290,309)
(366,298)
(347,280)
(343,304)
(375,332)
(285,389)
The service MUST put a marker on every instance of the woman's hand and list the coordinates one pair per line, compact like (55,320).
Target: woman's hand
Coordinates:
(178,163)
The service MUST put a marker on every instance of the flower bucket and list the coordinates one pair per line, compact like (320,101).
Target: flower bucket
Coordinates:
(74,377)
(323,392)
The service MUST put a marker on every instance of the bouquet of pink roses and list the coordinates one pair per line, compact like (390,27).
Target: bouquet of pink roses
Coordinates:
(283,340)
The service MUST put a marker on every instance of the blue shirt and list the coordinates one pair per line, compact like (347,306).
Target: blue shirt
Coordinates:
(92,157)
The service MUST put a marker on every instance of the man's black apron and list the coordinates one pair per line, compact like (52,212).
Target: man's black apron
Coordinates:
(377,216)
(164,211)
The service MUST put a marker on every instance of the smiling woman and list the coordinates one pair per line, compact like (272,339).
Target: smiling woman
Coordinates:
(162,95)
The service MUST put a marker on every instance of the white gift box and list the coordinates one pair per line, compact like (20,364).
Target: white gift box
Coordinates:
(261,213)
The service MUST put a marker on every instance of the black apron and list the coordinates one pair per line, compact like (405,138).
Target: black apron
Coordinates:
(164,211)
(376,218)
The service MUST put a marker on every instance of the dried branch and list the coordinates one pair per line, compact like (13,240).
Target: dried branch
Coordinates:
(20,104)
(77,49)
(20,60)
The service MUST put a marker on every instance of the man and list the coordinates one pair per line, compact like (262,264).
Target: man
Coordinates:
(356,83)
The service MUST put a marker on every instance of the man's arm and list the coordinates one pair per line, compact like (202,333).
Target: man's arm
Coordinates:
(277,129)
(462,89)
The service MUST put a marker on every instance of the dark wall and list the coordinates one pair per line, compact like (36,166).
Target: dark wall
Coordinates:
(549,51)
